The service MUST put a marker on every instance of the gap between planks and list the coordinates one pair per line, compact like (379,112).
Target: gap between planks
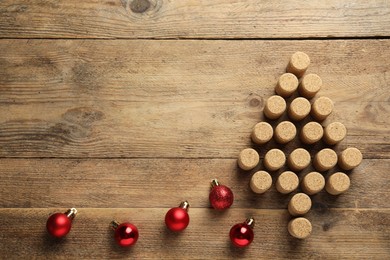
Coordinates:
(206,39)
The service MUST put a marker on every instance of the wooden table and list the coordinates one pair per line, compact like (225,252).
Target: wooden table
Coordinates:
(123,109)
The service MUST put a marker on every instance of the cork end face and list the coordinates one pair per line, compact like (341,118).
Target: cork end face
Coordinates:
(337,183)
(274,107)
(260,182)
(299,204)
(274,159)
(311,133)
(299,159)
(334,133)
(322,108)
(310,85)
(325,159)
(287,85)
(300,228)
(287,182)
(285,132)
(299,108)
(313,183)
(299,62)
(350,158)
(262,133)
(248,159)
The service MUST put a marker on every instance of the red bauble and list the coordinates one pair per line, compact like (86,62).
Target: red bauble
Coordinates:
(177,219)
(241,234)
(221,197)
(58,225)
(126,234)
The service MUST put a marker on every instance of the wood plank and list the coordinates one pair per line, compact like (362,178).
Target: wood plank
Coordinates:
(190,99)
(140,182)
(344,233)
(193,19)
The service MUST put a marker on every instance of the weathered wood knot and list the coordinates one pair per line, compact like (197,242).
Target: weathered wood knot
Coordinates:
(255,100)
(139,6)
(326,226)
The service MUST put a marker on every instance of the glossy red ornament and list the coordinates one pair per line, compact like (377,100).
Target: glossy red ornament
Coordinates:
(126,234)
(177,219)
(241,234)
(221,197)
(58,225)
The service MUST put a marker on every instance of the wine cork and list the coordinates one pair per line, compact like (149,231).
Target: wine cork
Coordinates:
(310,85)
(299,228)
(350,158)
(299,108)
(313,183)
(334,133)
(287,182)
(285,132)
(262,133)
(322,107)
(248,159)
(274,159)
(311,133)
(299,204)
(299,62)
(325,159)
(287,85)
(337,183)
(260,182)
(298,159)
(274,107)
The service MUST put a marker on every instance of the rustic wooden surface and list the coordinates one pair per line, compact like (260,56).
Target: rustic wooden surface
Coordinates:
(124,108)
(193,19)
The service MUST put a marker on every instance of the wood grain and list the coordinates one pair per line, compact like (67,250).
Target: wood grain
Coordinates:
(343,233)
(134,19)
(175,99)
(141,183)
(124,108)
